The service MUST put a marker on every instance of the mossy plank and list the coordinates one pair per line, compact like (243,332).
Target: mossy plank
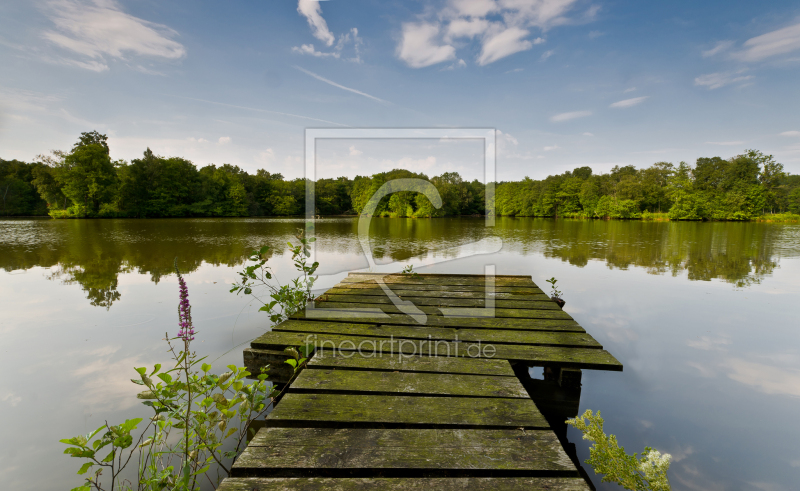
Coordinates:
(528,295)
(431,364)
(277,449)
(440,280)
(541,338)
(396,484)
(297,409)
(408,383)
(546,304)
(516,290)
(448,311)
(570,357)
(457,322)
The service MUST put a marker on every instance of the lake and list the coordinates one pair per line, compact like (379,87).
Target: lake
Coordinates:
(704,317)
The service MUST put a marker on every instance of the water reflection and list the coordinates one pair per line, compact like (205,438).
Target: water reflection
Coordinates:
(92,253)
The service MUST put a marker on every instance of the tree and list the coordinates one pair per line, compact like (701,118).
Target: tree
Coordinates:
(86,177)
(92,138)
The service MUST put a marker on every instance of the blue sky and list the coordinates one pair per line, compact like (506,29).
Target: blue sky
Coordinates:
(566,82)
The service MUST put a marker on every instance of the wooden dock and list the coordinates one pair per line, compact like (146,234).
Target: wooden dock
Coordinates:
(422,405)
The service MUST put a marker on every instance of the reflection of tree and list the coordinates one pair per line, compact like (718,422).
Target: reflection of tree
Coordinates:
(92,253)
(737,253)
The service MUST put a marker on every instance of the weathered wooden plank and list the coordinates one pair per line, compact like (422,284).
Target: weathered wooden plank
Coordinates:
(431,364)
(299,410)
(521,290)
(457,322)
(283,449)
(546,304)
(395,484)
(525,295)
(408,383)
(539,338)
(449,311)
(589,358)
(440,280)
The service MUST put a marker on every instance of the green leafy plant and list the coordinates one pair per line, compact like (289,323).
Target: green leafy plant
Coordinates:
(555,291)
(409,270)
(284,300)
(634,472)
(195,414)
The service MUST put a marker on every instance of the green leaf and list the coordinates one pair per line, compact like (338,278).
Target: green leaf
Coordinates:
(291,362)
(156,368)
(137,382)
(166,377)
(85,467)
(81,488)
(148,394)
(205,367)
(109,457)
(141,370)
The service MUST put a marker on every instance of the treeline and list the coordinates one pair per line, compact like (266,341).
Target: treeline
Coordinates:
(86,182)
(740,188)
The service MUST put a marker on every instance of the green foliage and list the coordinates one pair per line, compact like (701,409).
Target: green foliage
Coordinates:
(194,413)
(555,291)
(284,300)
(87,183)
(648,472)
(409,269)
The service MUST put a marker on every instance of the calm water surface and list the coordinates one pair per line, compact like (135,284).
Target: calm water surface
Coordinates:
(704,316)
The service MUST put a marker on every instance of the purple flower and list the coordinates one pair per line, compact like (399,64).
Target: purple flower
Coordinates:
(184,309)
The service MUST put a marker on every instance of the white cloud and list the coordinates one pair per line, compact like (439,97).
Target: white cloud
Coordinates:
(467,28)
(588,134)
(311,10)
(345,39)
(506,32)
(330,82)
(553,147)
(515,70)
(308,49)
(224,140)
(474,8)
(354,152)
(420,48)
(12,399)
(720,79)
(558,118)
(790,133)
(629,102)
(766,378)
(266,157)
(505,43)
(707,343)
(547,54)
(101,29)
(459,64)
(629,89)
(718,48)
(595,34)
(728,144)
(779,42)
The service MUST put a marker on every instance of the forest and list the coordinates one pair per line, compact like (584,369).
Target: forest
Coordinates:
(86,183)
